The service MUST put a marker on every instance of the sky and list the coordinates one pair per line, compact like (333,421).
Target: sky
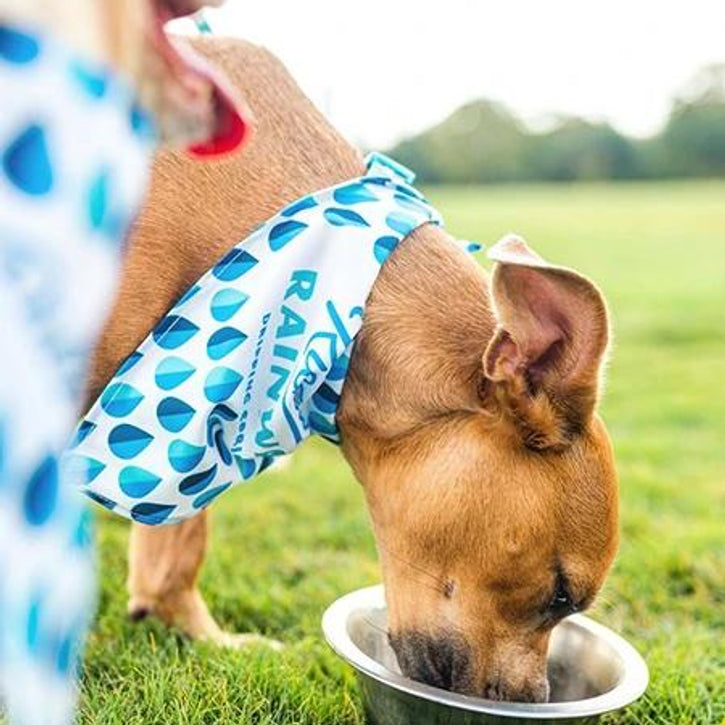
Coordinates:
(382,70)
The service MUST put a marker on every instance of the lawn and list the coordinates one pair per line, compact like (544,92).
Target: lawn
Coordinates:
(286,546)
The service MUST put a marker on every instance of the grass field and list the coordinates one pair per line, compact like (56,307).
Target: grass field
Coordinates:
(288,545)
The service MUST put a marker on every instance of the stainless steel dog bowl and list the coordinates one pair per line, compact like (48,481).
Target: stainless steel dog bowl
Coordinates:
(592,671)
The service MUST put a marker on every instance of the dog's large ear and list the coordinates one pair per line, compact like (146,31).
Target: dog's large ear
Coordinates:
(545,359)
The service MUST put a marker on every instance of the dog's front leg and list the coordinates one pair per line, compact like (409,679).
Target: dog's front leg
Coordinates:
(164,566)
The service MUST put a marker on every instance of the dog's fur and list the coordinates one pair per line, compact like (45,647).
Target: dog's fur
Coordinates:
(123,34)
(468,413)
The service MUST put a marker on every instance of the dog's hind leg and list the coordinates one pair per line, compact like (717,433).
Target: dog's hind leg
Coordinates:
(164,566)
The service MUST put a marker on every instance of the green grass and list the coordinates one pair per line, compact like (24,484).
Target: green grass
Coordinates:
(286,546)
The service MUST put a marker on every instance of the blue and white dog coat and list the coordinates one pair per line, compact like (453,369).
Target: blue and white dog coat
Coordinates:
(252,359)
(74,153)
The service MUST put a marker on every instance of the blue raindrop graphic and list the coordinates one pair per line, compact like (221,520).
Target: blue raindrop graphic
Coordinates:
(173,371)
(408,202)
(128,363)
(137,482)
(17,47)
(326,399)
(247,467)
(220,384)
(208,496)
(101,216)
(308,202)
(223,341)
(353,194)
(184,456)
(197,482)
(344,218)
(187,296)
(401,222)
(141,123)
(174,414)
(339,368)
(127,441)
(120,399)
(85,428)
(83,468)
(226,302)
(173,331)
(384,246)
(41,493)
(284,232)
(102,500)
(151,513)
(233,265)
(322,426)
(94,84)
(26,162)
(215,430)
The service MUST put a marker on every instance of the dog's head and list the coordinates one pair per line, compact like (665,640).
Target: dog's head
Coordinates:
(496,516)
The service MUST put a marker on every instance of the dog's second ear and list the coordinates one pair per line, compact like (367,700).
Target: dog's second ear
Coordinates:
(544,361)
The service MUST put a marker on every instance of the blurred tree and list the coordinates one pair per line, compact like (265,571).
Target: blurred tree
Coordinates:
(484,142)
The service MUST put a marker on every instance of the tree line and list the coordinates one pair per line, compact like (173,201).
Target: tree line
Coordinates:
(484,142)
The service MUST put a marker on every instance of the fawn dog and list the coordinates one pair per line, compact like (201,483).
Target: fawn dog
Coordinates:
(468,414)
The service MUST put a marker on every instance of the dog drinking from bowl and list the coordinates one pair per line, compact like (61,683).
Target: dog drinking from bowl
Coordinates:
(468,411)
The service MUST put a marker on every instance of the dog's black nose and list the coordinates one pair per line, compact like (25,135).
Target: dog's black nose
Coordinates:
(442,661)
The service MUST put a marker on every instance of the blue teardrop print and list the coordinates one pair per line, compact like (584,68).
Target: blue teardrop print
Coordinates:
(102,500)
(41,493)
(81,468)
(322,425)
(339,368)
(137,482)
(220,384)
(233,265)
(151,513)
(408,202)
(247,467)
(326,400)
(226,303)
(208,496)
(26,162)
(401,222)
(384,246)
(223,341)
(174,414)
(84,429)
(344,218)
(127,441)
(197,482)
(281,234)
(128,363)
(94,84)
(172,372)
(353,194)
(187,296)
(16,47)
(173,331)
(184,456)
(120,399)
(308,202)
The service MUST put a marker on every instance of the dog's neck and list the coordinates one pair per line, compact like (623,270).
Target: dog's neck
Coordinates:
(419,352)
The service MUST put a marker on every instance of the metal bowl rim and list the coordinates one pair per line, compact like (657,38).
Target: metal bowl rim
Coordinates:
(632,685)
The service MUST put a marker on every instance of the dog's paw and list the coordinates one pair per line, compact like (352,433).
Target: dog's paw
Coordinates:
(241,641)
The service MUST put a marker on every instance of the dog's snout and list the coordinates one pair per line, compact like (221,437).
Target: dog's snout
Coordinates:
(442,661)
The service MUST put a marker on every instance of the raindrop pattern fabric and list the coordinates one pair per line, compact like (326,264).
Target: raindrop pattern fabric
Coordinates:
(74,153)
(252,359)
